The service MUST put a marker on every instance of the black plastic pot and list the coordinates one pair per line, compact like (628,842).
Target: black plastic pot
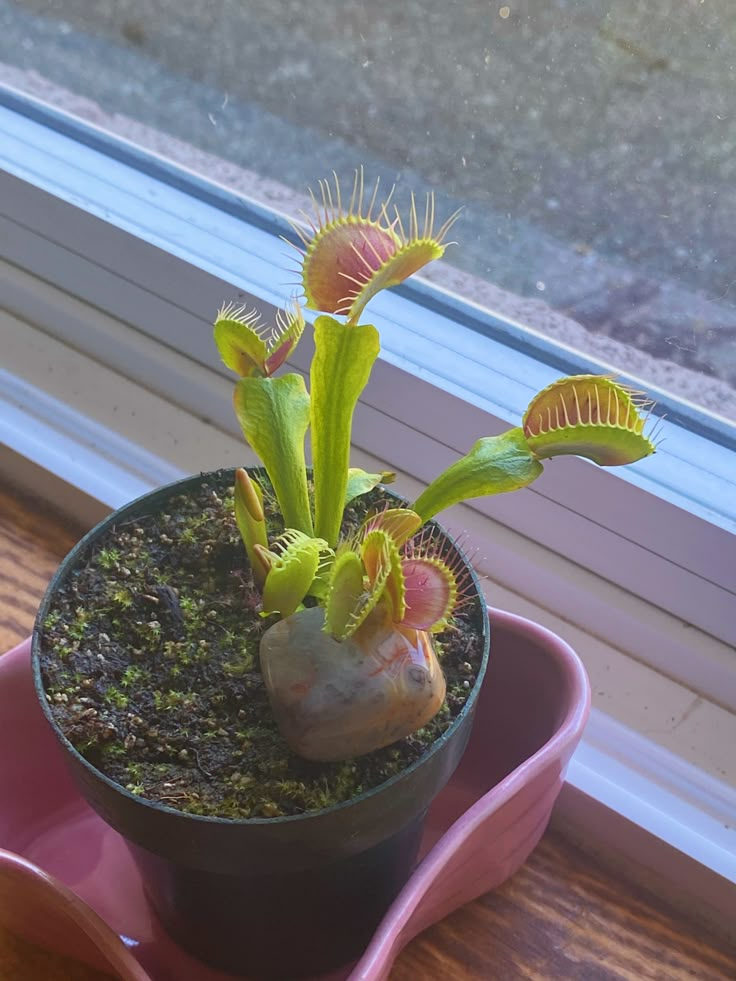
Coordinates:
(279,897)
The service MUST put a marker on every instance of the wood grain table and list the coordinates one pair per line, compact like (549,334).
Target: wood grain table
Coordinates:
(560,917)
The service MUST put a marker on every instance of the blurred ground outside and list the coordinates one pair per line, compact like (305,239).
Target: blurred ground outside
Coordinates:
(591,145)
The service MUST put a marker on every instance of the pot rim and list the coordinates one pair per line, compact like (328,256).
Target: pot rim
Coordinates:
(66,567)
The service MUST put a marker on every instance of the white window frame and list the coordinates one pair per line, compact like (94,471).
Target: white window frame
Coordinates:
(162,259)
(124,258)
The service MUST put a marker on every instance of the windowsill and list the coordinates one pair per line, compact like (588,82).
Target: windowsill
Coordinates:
(656,759)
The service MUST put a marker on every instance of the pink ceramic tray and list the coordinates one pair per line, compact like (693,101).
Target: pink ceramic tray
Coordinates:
(531,713)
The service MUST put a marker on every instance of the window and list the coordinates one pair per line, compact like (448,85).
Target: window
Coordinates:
(590,147)
(119,258)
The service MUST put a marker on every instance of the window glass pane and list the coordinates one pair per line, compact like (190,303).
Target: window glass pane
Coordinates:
(592,145)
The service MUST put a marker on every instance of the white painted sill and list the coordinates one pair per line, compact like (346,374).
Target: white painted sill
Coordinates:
(653,784)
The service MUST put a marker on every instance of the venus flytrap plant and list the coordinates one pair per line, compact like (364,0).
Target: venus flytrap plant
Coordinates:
(291,565)
(249,348)
(343,358)
(251,521)
(273,412)
(587,415)
(349,256)
(351,665)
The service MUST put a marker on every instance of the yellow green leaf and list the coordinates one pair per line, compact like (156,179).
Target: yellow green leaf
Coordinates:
(495,465)
(239,342)
(294,561)
(274,415)
(399,523)
(360,482)
(341,366)
(250,520)
(344,598)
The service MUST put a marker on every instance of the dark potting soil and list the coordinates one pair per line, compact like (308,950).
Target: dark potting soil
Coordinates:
(150,665)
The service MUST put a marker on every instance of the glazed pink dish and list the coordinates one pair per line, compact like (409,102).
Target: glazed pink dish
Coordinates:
(68,882)
(39,908)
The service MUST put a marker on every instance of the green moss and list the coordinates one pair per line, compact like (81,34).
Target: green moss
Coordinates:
(171,700)
(77,628)
(132,675)
(108,558)
(135,771)
(189,606)
(113,696)
(51,620)
(122,598)
(236,669)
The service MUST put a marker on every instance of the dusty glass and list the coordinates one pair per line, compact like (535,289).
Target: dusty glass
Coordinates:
(591,145)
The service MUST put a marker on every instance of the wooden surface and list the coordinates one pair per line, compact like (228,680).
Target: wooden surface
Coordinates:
(21,961)
(560,917)
(31,546)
